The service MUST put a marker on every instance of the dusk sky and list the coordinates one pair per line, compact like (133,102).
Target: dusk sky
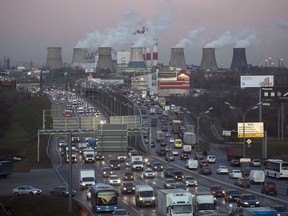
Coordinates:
(28,27)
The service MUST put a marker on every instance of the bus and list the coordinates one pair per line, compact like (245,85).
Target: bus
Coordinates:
(104,197)
(276,168)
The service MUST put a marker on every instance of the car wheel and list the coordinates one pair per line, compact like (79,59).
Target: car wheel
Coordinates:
(17,194)
(31,193)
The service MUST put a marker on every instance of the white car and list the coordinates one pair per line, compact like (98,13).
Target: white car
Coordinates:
(148,173)
(211,158)
(171,140)
(222,170)
(189,181)
(114,180)
(235,174)
(175,152)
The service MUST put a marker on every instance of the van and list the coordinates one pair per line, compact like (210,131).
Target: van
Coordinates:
(144,196)
(256,176)
(191,164)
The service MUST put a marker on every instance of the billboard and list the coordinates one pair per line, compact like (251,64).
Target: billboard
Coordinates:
(256,81)
(252,129)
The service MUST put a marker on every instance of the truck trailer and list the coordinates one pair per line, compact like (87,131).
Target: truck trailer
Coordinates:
(174,202)
(259,211)
(176,124)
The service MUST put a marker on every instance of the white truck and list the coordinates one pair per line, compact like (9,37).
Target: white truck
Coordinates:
(191,164)
(88,155)
(189,141)
(87,178)
(174,202)
(204,203)
(137,163)
(144,196)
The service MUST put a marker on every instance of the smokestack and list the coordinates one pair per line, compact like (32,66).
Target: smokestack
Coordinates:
(148,57)
(54,58)
(208,62)
(239,60)
(136,58)
(177,58)
(104,63)
(79,56)
(155,53)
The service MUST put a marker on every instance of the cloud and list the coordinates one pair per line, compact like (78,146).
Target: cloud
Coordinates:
(246,42)
(190,38)
(282,24)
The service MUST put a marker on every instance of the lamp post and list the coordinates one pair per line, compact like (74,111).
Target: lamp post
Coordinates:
(198,133)
(243,114)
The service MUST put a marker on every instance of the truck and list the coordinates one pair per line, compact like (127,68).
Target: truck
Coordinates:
(160,136)
(137,163)
(204,203)
(154,122)
(259,211)
(176,124)
(174,202)
(88,155)
(191,164)
(190,128)
(87,178)
(189,141)
(234,152)
(92,143)
(145,195)
(6,168)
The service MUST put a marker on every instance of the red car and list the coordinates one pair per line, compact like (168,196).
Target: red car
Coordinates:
(217,190)
(204,163)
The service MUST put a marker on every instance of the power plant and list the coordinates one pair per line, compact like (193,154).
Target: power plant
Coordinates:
(104,63)
(137,58)
(80,56)
(177,58)
(239,60)
(54,58)
(208,62)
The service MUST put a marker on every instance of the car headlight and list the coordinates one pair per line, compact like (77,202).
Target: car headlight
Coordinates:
(153,198)
(124,188)
(246,203)
(257,202)
(140,198)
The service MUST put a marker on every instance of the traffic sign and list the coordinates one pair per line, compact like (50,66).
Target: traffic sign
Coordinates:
(249,141)
(252,130)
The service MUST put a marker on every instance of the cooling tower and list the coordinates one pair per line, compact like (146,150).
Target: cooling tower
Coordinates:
(79,56)
(136,58)
(104,63)
(54,58)
(239,60)
(177,58)
(208,62)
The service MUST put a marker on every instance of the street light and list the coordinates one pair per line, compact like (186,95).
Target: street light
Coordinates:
(243,113)
(198,133)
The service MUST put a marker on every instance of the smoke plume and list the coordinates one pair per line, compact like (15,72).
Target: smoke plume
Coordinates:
(190,38)
(282,24)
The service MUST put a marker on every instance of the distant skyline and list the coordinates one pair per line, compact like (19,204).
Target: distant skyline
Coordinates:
(29,27)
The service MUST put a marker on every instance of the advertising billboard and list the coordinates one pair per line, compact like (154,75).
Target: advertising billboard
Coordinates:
(252,129)
(256,81)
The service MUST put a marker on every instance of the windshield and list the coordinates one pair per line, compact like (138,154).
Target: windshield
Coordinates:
(106,197)
(137,162)
(206,206)
(146,193)
(182,209)
(88,179)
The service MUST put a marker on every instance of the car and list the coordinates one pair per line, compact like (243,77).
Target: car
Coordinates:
(121,212)
(242,182)
(211,158)
(169,183)
(231,195)
(106,172)
(175,152)
(161,151)
(171,140)
(199,155)
(149,162)
(127,187)
(247,200)
(177,175)
(168,148)
(235,174)
(88,193)
(62,190)
(114,180)
(222,170)
(205,171)
(127,163)
(236,211)
(255,163)
(269,188)
(281,210)
(168,173)
(204,163)
(169,156)
(184,156)
(180,185)
(235,163)
(189,181)
(115,163)
(99,157)
(132,152)
(156,166)
(26,190)
(148,173)
(127,176)
(217,190)
(163,144)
